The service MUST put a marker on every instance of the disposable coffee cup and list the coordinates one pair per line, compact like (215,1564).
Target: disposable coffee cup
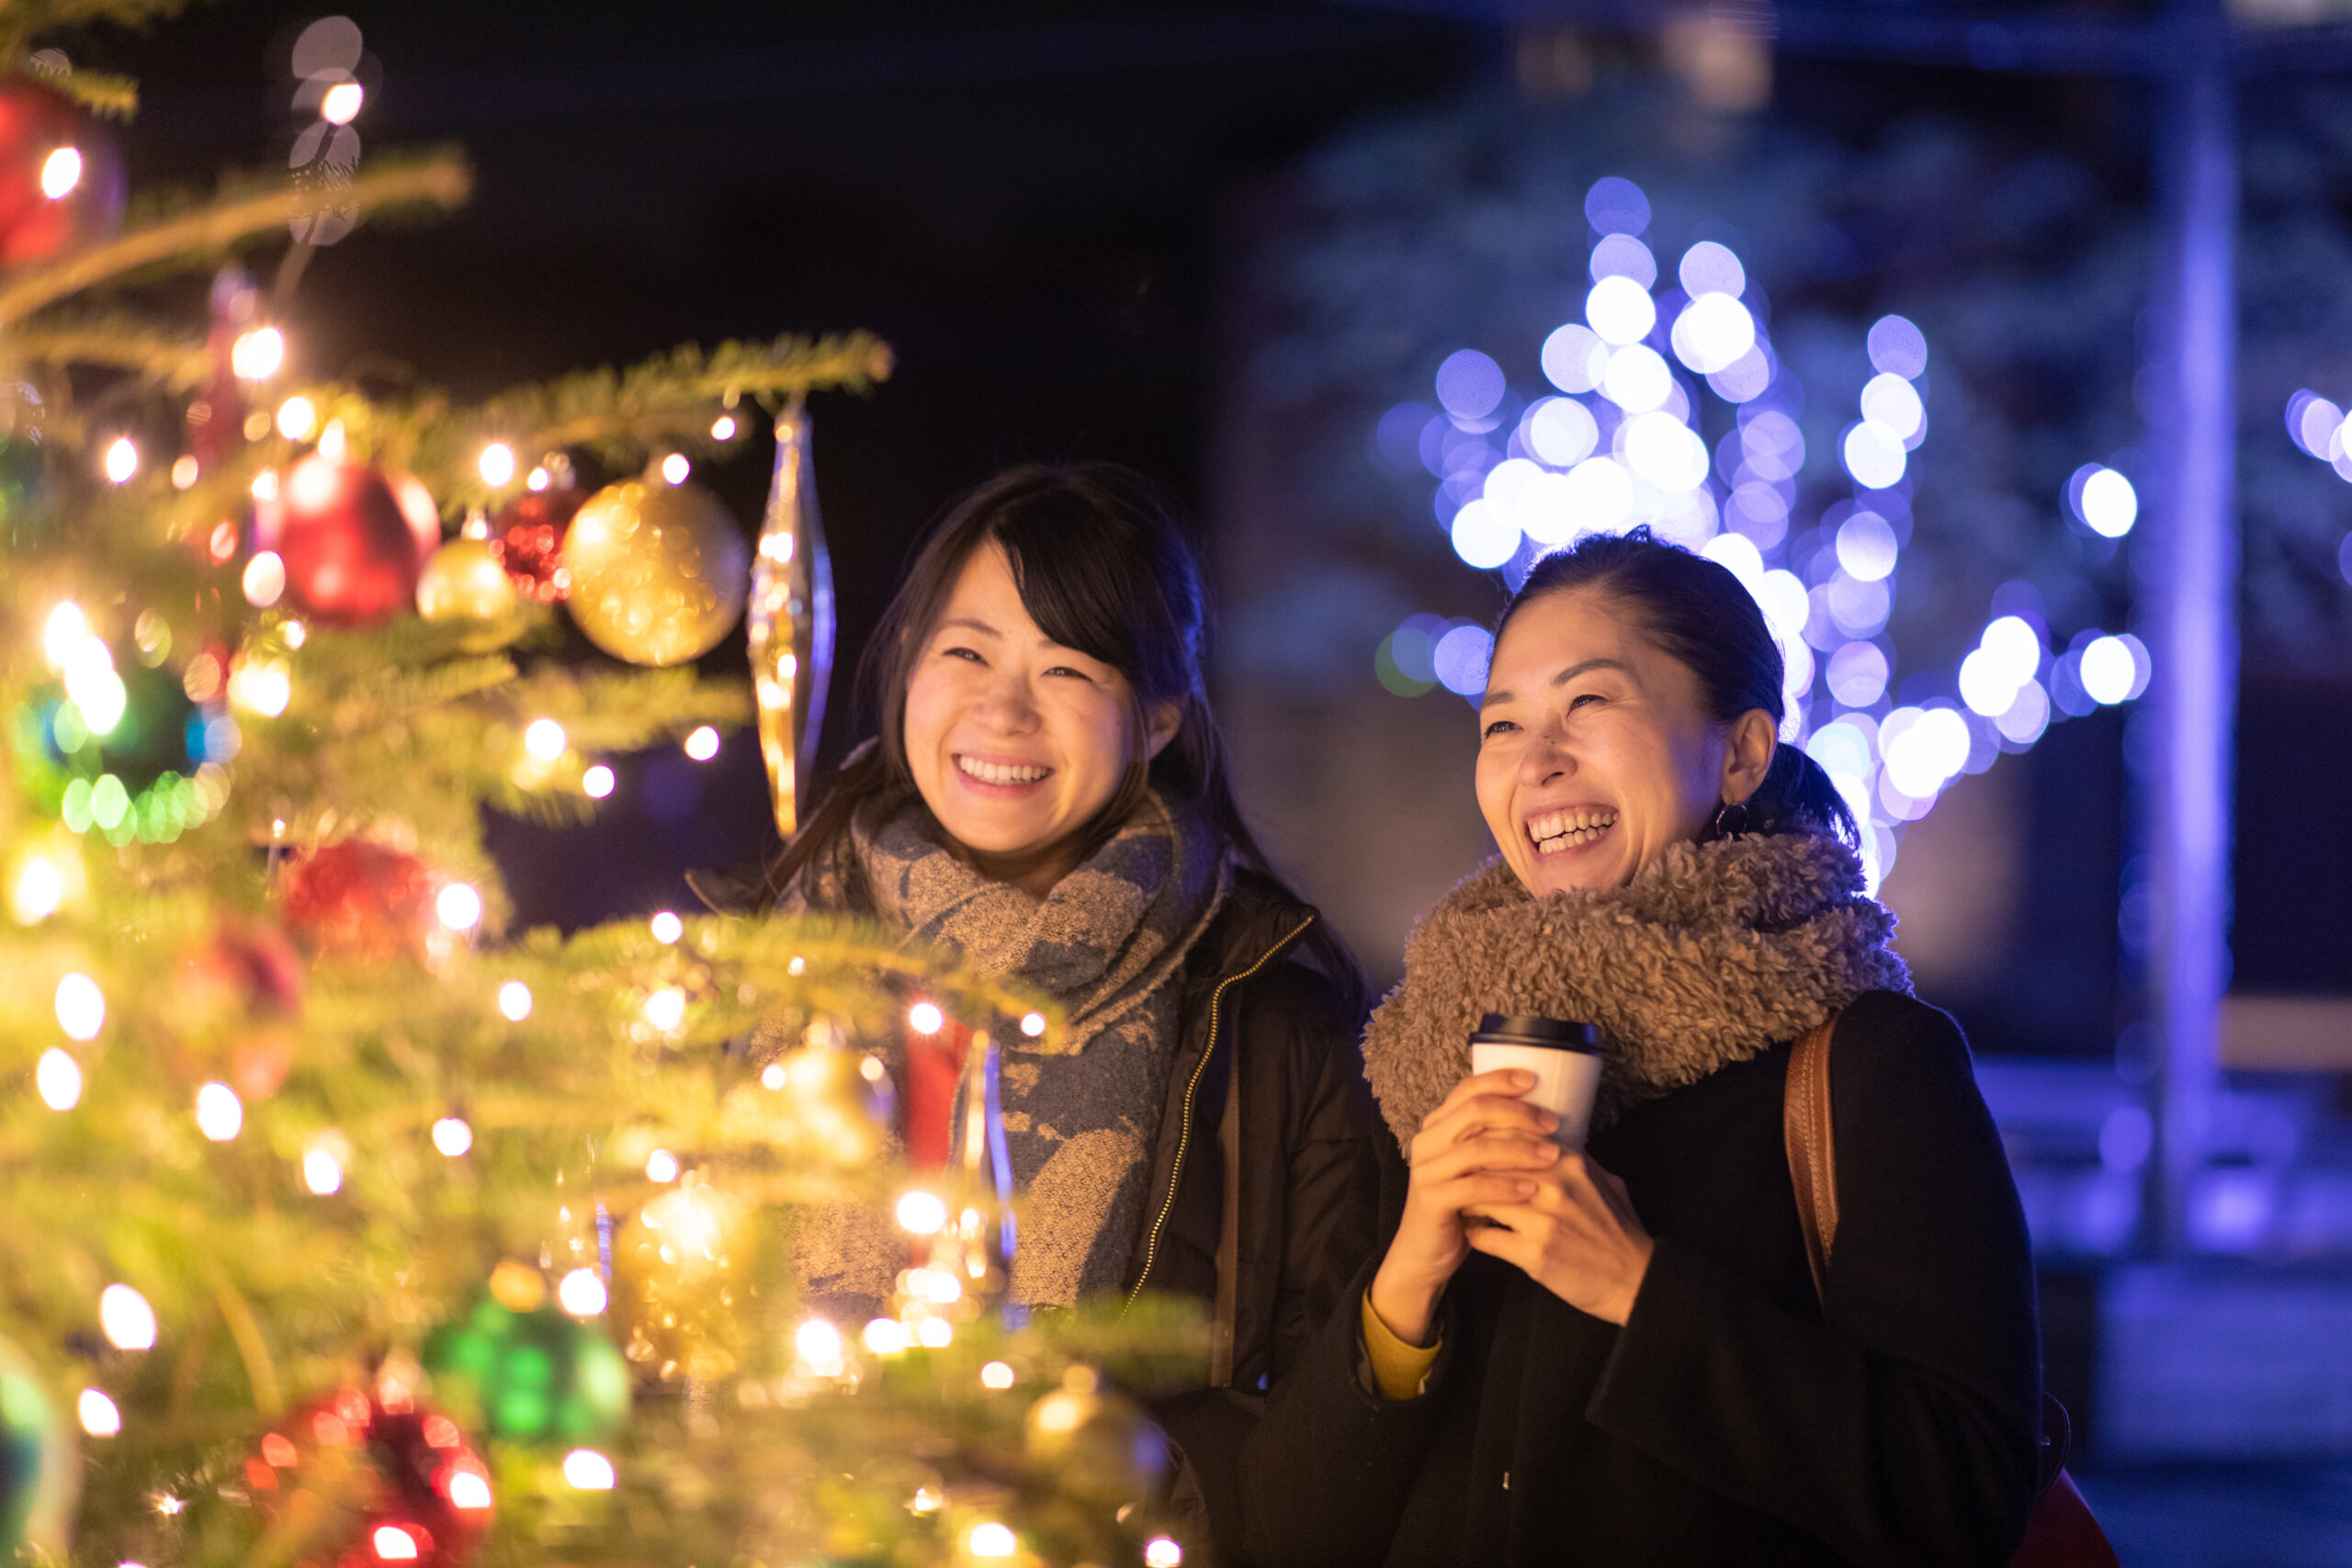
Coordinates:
(1565,1057)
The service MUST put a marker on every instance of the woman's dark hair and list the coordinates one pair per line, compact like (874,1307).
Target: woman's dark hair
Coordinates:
(1103,568)
(1702,615)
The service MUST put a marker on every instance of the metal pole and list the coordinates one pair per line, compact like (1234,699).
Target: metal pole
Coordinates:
(2188,597)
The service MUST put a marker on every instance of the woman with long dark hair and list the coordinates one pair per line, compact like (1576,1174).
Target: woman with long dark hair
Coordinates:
(1044,793)
(1624,1354)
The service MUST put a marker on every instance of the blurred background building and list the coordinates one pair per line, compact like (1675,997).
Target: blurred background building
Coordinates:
(2004,351)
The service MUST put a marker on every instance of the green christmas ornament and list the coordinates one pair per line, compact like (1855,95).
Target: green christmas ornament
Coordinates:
(37,1468)
(529,1377)
(25,505)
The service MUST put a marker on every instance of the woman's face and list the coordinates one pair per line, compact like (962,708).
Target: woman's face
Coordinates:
(1594,750)
(1016,742)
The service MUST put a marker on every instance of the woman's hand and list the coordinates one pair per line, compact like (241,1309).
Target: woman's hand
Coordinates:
(1484,1146)
(1576,1235)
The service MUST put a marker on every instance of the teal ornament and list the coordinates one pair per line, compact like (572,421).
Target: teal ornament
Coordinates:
(38,1464)
(529,1377)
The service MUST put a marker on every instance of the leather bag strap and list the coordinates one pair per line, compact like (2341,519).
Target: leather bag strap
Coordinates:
(1812,1156)
(1229,1238)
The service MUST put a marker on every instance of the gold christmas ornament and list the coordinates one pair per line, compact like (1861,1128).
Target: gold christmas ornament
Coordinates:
(464,581)
(791,625)
(685,1263)
(658,571)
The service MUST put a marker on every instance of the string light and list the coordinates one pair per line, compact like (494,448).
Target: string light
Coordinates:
(597,781)
(61,172)
(265,580)
(321,1172)
(676,467)
(393,1544)
(772,1076)
(924,1018)
(923,1213)
(702,745)
(991,1540)
(667,927)
(126,1319)
(340,106)
(514,1001)
(468,1491)
(666,1008)
(585,1470)
(184,472)
(81,1007)
(582,1293)
(258,354)
(818,1344)
(220,1115)
(452,1136)
(1033,1024)
(997,1375)
(885,1335)
(459,906)
(296,418)
(122,460)
(36,891)
(723,428)
(497,465)
(100,1418)
(58,1080)
(544,739)
(935,1333)
(661,1167)
(1161,1552)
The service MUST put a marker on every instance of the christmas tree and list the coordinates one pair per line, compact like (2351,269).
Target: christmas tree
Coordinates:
(346,1226)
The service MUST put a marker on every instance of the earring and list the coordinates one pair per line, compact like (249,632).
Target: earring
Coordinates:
(1730,820)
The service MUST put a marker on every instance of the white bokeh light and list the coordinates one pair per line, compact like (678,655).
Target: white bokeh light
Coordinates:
(1665,452)
(1484,534)
(2107,671)
(1709,268)
(2108,503)
(1574,358)
(57,1078)
(128,1322)
(1637,379)
(1873,455)
(321,1172)
(1867,548)
(1562,432)
(1892,402)
(1620,311)
(81,1007)
(220,1115)
(582,1293)
(1713,333)
(457,906)
(585,1470)
(514,1001)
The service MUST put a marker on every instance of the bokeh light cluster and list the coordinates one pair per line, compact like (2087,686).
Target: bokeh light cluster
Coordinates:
(1666,405)
(2317,426)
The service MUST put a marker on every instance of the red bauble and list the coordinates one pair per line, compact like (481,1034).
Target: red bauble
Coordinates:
(357,898)
(407,1487)
(240,991)
(528,539)
(424,514)
(351,555)
(37,124)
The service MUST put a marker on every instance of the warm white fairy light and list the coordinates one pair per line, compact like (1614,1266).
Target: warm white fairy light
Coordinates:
(265,580)
(64,632)
(991,1540)
(818,1344)
(702,745)
(922,1213)
(99,1416)
(676,467)
(452,1136)
(468,1491)
(37,890)
(661,1166)
(514,1001)
(585,1470)
(723,428)
(258,354)
(1033,1024)
(597,781)
(1161,1552)
(184,472)
(334,441)
(298,418)
(220,1115)
(885,1335)
(340,104)
(666,1007)
(457,906)
(264,686)
(81,1007)
(935,1333)
(126,1319)
(497,465)
(997,1375)
(58,1078)
(924,1018)
(582,1293)
(122,460)
(393,1543)
(321,1172)
(667,927)
(61,172)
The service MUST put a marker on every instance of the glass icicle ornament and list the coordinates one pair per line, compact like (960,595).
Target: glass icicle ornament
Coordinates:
(791,623)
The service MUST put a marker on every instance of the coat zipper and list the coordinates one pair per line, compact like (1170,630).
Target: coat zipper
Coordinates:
(1184,1120)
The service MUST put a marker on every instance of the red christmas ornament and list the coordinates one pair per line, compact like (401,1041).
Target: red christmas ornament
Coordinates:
(351,554)
(357,898)
(408,1489)
(528,539)
(60,179)
(239,992)
(424,514)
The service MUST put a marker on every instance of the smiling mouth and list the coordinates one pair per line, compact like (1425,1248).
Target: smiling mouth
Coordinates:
(1001,773)
(1569,830)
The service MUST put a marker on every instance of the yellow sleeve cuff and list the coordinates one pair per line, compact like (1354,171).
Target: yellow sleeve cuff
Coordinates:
(1397,1368)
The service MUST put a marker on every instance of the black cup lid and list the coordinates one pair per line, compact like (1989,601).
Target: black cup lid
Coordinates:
(1528,1029)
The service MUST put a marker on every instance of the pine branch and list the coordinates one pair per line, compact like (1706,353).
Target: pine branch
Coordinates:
(442,181)
(174,362)
(23,20)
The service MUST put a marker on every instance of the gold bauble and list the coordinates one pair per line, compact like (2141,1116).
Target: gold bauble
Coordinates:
(684,1262)
(812,1105)
(1095,1444)
(659,571)
(463,582)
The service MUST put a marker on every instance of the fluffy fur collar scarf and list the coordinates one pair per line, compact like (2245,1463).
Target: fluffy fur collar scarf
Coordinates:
(1711,955)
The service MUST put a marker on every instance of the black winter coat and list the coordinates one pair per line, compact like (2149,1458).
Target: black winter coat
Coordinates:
(1731,1420)
(1302,1213)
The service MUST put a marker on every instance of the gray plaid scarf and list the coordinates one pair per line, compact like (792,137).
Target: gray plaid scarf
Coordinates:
(1108,942)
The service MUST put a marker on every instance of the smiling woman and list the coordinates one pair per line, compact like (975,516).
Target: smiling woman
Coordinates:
(1044,793)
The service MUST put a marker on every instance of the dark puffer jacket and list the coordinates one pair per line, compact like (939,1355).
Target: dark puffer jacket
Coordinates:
(1298,1225)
